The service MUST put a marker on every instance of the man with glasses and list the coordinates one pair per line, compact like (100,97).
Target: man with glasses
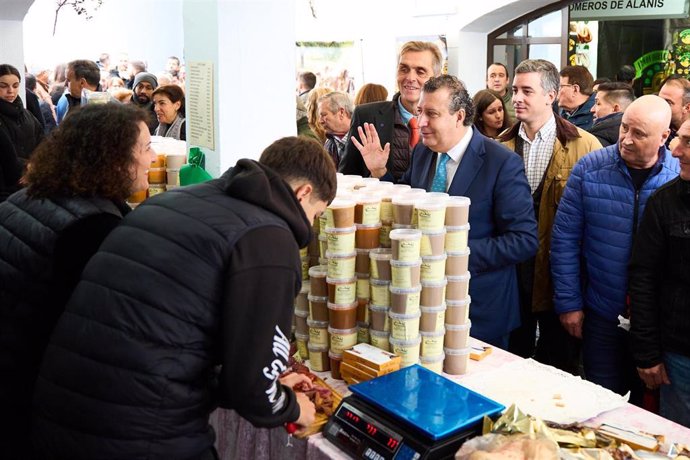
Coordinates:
(576,98)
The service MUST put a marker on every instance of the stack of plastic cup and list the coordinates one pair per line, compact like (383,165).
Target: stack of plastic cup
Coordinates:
(380,298)
(405,292)
(458,301)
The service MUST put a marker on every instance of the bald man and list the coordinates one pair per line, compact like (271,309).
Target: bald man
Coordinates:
(597,217)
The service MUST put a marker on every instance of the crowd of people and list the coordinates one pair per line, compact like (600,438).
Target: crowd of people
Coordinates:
(122,331)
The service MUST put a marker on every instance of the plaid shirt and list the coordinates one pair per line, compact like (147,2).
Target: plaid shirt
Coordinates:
(537,153)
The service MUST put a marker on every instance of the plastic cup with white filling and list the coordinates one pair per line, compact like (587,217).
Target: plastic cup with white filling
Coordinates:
(404,326)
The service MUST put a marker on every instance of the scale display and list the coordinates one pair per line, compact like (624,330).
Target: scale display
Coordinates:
(409,414)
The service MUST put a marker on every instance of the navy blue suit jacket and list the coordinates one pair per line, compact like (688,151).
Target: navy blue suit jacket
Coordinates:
(503,228)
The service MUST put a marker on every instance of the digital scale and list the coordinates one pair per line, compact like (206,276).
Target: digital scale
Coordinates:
(412,413)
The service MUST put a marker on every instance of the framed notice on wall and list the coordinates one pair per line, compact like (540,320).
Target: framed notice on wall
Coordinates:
(200,104)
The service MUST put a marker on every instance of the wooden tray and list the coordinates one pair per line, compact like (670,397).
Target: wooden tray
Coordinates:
(321,419)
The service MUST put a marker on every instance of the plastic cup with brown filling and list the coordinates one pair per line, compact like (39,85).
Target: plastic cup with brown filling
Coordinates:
(433,242)
(363,311)
(301,322)
(380,339)
(387,205)
(341,240)
(318,358)
(458,311)
(405,274)
(457,211)
(342,316)
(335,360)
(433,363)
(403,208)
(362,261)
(302,341)
(456,360)
(362,332)
(433,268)
(431,214)
(367,208)
(323,245)
(379,264)
(458,335)
(404,326)
(456,238)
(342,291)
(405,244)
(340,213)
(405,300)
(433,293)
(318,333)
(313,249)
(302,299)
(317,281)
(323,224)
(367,236)
(342,339)
(458,263)
(341,265)
(305,267)
(433,319)
(432,343)
(318,308)
(458,287)
(157,176)
(378,318)
(408,350)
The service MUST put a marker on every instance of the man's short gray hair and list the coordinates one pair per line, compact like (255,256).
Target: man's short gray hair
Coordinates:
(459,97)
(548,73)
(337,100)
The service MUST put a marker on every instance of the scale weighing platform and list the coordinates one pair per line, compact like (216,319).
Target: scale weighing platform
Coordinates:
(412,413)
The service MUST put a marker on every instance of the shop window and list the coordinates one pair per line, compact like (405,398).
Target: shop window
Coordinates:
(548,25)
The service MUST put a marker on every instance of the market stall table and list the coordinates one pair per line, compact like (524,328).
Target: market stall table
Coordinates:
(237,438)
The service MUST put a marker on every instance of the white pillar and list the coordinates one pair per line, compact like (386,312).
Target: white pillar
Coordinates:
(251,44)
(11,37)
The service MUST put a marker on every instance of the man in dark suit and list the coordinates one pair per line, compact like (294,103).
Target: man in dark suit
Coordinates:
(394,120)
(455,158)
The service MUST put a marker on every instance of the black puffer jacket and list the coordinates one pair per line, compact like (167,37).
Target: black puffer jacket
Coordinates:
(607,129)
(659,277)
(35,282)
(195,278)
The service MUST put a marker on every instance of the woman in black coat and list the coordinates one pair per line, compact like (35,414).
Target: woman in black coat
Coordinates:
(20,131)
(76,181)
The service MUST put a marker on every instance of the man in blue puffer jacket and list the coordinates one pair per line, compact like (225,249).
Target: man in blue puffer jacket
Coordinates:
(593,235)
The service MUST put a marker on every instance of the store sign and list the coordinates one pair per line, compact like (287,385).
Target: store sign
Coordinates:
(605,10)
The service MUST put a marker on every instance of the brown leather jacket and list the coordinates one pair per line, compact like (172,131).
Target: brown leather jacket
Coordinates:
(572,143)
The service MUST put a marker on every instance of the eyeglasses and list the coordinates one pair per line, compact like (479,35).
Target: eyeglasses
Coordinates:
(562,86)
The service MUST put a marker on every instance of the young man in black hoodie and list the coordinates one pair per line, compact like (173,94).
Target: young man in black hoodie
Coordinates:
(187,306)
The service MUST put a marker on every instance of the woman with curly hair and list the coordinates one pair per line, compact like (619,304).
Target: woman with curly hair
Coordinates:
(76,184)
(491,117)
(313,112)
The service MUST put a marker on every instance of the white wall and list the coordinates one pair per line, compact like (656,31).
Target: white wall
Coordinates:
(149,30)
(254,73)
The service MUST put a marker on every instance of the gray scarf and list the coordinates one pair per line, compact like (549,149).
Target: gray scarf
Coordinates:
(171,130)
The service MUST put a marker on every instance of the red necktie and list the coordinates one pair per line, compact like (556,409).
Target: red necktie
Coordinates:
(414,132)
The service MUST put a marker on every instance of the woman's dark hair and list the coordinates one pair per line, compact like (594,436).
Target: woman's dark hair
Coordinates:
(89,154)
(482,100)
(174,93)
(7,69)
(302,159)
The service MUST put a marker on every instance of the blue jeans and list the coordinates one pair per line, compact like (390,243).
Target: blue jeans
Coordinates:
(675,398)
(607,359)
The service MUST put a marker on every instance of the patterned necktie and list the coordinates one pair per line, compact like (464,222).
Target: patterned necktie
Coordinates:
(440,179)
(414,132)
